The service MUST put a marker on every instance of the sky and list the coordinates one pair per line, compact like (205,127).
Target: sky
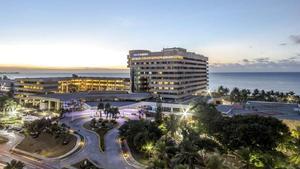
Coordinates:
(235,35)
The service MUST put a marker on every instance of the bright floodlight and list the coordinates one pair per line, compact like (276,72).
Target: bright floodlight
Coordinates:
(12,113)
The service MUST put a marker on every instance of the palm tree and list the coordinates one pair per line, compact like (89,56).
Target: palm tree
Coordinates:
(14,164)
(235,95)
(114,111)
(244,94)
(188,154)
(295,148)
(255,94)
(107,109)
(172,123)
(226,91)
(220,90)
(165,149)
(100,108)
(291,93)
(158,114)
(10,105)
(216,162)
(244,156)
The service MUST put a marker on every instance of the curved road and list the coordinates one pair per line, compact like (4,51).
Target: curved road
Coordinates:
(112,158)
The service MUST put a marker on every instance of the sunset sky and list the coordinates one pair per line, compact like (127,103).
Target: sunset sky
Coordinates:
(236,35)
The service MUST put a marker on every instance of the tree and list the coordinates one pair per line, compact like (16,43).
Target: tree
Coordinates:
(107,109)
(255,94)
(2,102)
(158,115)
(293,147)
(244,94)
(172,124)
(5,77)
(100,108)
(114,111)
(188,154)
(222,91)
(14,164)
(165,149)
(216,162)
(10,105)
(244,156)
(252,131)
(193,148)
(139,132)
(226,91)
(235,95)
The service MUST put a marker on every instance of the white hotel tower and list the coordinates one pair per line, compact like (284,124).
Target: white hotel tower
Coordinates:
(174,74)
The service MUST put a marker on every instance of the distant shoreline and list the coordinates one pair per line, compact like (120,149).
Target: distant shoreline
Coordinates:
(3,73)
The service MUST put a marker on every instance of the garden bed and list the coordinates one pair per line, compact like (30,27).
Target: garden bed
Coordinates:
(101,127)
(85,164)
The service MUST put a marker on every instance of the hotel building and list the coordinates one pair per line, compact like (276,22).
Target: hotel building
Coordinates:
(173,74)
(39,92)
(27,88)
(83,84)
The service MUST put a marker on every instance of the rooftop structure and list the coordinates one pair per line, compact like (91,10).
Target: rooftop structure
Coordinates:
(60,100)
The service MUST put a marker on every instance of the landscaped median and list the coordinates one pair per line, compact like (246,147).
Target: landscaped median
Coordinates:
(101,127)
(85,164)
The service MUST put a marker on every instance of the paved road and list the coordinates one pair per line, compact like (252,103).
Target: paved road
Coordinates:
(112,158)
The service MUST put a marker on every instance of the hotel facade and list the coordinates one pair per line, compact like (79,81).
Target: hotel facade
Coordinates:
(83,84)
(173,74)
(37,92)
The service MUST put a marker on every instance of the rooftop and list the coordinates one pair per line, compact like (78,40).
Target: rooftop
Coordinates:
(84,95)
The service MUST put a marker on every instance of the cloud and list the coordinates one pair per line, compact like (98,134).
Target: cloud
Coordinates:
(295,39)
(283,44)
(263,64)
(262,60)
(246,60)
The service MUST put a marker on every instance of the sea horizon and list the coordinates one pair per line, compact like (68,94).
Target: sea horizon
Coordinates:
(277,81)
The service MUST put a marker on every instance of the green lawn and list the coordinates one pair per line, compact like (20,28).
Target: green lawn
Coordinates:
(3,140)
(47,145)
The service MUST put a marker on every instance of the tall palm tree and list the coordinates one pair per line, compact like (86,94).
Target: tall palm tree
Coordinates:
(226,91)
(295,148)
(188,154)
(100,108)
(220,90)
(244,94)
(107,109)
(172,124)
(14,164)
(235,95)
(244,155)
(10,105)
(216,162)
(165,149)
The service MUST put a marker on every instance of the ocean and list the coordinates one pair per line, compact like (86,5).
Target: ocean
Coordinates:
(283,81)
